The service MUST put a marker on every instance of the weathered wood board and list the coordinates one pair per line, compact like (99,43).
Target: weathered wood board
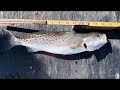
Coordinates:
(104,63)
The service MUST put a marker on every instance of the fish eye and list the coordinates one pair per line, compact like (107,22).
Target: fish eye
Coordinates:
(98,35)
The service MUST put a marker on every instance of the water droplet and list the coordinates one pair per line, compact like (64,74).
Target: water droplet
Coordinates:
(33,71)
(30,67)
(37,57)
(76,62)
(75,70)
(117,76)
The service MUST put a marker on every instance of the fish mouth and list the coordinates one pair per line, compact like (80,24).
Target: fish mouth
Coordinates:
(91,48)
(85,46)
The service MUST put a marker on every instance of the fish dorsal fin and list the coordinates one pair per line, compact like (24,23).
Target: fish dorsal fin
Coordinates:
(74,32)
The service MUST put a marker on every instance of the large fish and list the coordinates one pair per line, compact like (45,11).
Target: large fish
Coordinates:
(61,42)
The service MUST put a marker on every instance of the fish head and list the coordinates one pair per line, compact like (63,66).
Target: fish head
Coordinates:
(94,41)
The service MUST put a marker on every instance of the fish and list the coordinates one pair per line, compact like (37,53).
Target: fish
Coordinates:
(56,42)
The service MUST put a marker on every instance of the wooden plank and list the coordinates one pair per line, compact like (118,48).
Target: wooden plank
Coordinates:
(59,22)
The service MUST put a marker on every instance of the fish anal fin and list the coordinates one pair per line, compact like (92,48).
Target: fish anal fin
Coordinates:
(31,49)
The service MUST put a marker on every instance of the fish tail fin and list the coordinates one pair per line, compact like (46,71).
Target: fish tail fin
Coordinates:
(7,40)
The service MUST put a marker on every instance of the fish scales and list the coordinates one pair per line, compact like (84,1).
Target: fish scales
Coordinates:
(51,38)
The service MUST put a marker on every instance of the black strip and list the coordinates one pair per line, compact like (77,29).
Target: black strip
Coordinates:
(86,28)
(21,29)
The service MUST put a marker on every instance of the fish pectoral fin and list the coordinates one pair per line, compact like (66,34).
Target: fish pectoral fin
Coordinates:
(78,49)
(31,49)
(75,47)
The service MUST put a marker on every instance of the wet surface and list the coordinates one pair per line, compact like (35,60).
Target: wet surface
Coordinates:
(102,63)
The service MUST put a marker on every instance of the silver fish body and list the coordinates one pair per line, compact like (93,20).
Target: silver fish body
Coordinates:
(57,42)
